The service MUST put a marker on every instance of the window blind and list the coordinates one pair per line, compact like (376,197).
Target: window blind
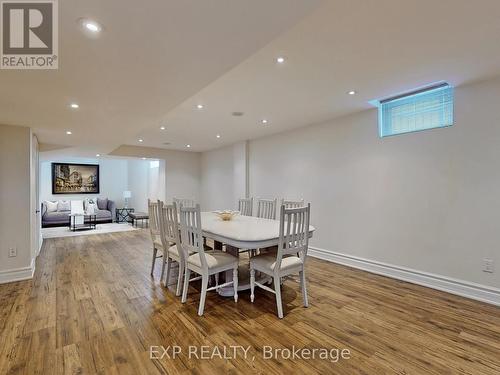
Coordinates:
(419,110)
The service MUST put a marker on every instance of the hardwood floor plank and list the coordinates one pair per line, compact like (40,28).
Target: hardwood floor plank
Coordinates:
(93,308)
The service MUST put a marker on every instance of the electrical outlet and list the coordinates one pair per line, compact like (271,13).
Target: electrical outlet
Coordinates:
(488,265)
(12,252)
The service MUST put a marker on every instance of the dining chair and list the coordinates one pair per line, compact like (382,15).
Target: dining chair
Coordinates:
(170,238)
(201,262)
(292,204)
(154,209)
(186,202)
(290,257)
(245,206)
(266,208)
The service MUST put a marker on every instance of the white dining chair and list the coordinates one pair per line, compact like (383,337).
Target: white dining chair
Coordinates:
(266,208)
(245,206)
(186,202)
(292,204)
(201,262)
(290,257)
(154,209)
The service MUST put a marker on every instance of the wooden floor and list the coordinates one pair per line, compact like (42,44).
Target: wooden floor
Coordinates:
(93,308)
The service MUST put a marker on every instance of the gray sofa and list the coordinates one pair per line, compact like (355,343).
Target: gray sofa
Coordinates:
(61,218)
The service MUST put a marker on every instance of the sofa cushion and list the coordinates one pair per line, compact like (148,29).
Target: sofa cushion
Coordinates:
(103,215)
(63,206)
(51,206)
(58,216)
(102,203)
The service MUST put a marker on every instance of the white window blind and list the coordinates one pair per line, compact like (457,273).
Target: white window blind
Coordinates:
(428,108)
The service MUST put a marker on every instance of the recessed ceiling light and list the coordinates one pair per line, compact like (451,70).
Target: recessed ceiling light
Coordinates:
(280,60)
(143,158)
(352,92)
(218,135)
(69,133)
(162,128)
(92,26)
(74,106)
(264,121)
(188,146)
(141,140)
(199,106)
(97,155)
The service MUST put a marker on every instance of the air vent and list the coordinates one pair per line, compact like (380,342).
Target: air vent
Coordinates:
(166,143)
(237,114)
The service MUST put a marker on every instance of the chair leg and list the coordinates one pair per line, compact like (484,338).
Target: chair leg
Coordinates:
(169,265)
(304,289)
(155,250)
(187,274)
(235,283)
(163,260)
(252,284)
(277,290)
(204,286)
(179,280)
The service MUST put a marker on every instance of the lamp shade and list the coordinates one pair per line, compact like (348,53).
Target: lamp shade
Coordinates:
(127,194)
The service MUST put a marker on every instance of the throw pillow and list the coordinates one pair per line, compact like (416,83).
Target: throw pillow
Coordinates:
(91,208)
(102,204)
(51,206)
(63,206)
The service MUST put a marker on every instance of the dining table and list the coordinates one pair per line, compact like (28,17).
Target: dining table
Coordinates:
(240,234)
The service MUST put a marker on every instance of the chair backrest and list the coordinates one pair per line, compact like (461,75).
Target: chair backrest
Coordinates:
(154,209)
(76,207)
(266,208)
(245,206)
(191,233)
(294,232)
(186,202)
(292,204)
(169,228)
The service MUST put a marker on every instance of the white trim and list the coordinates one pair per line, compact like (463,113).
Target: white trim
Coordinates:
(18,274)
(462,288)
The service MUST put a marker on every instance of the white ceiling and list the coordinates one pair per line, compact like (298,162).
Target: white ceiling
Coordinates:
(155,63)
(151,57)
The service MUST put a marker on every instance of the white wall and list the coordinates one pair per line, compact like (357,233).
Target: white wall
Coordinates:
(428,201)
(145,182)
(223,177)
(181,169)
(113,176)
(15,202)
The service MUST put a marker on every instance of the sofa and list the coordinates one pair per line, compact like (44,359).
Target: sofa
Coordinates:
(104,211)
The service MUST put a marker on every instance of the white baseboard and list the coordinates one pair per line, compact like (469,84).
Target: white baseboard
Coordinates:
(462,288)
(18,274)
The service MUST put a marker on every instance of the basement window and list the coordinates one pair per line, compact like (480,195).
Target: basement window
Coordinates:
(427,108)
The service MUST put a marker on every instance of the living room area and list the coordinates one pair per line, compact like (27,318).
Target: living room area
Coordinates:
(96,195)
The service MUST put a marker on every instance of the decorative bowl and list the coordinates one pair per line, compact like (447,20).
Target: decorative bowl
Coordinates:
(226,215)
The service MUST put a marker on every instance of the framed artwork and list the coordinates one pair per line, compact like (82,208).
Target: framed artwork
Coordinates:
(70,178)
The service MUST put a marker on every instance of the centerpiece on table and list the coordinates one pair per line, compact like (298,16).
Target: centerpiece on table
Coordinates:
(226,215)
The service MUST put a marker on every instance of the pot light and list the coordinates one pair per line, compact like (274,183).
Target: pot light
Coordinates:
(264,121)
(74,106)
(92,26)
(141,140)
(68,132)
(188,146)
(143,158)
(199,106)
(280,59)
(352,92)
(218,135)
(97,155)
(162,128)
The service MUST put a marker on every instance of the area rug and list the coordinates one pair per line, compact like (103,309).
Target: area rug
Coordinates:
(101,228)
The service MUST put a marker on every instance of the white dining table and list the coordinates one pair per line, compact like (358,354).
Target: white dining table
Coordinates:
(240,233)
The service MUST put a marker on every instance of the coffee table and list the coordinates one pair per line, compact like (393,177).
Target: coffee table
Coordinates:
(89,222)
